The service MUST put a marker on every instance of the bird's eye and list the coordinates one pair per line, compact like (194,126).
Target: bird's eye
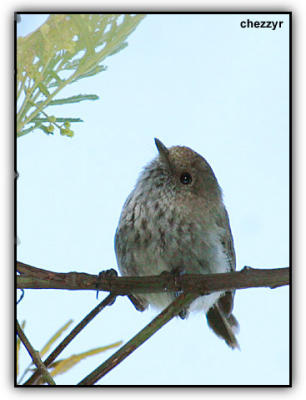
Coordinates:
(186,178)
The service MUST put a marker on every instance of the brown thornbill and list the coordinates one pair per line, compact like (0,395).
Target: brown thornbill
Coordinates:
(175,220)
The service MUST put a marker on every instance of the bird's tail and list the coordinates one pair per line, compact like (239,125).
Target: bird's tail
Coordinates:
(224,326)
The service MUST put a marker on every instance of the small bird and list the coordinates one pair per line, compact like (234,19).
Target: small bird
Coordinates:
(175,220)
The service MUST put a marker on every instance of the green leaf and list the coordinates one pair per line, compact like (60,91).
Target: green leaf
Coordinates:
(25,131)
(119,48)
(94,71)
(74,99)
(44,89)
(57,78)
(40,120)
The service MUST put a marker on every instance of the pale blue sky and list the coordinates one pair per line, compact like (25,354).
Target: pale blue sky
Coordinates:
(195,80)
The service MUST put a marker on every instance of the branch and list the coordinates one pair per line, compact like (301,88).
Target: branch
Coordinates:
(36,278)
(77,329)
(192,286)
(41,367)
(165,316)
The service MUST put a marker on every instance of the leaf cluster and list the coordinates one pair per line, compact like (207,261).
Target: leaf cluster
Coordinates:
(65,49)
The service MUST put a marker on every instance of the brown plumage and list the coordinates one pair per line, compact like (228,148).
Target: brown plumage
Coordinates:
(175,220)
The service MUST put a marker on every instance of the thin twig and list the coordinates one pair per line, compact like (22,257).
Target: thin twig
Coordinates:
(41,367)
(166,315)
(81,325)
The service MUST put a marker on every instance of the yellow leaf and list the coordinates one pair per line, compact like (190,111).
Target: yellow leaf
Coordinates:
(54,338)
(18,349)
(61,366)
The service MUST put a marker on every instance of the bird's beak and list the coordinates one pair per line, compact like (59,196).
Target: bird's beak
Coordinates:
(162,149)
(163,152)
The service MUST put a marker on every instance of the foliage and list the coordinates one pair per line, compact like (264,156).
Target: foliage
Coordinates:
(63,365)
(65,49)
